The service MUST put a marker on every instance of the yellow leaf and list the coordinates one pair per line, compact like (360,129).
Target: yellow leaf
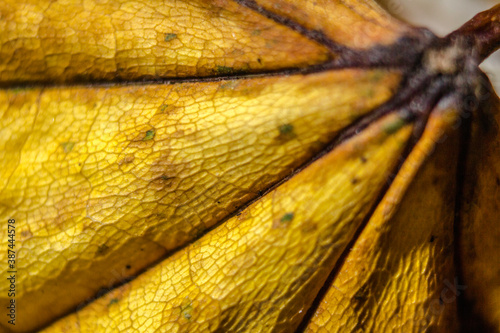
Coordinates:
(480,231)
(261,270)
(228,165)
(61,41)
(348,23)
(108,180)
(399,275)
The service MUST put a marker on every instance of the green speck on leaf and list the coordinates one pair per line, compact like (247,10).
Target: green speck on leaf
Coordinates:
(187,309)
(394,126)
(256,32)
(286,129)
(287,218)
(169,37)
(113,301)
(67,146)
(286,133)
(224,70)
(163,107)
(150,134)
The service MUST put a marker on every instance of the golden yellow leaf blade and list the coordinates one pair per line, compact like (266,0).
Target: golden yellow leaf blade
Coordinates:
(480,227)
(350,23)
(399,275)
(104,181)
(62,41)
(261,270)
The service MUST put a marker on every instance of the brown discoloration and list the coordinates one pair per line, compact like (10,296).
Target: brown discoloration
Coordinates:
(309,227)
(68,211)
(243,88)
(286,133)
(26,234)
(165,109)
(277,224)
(101,250)
(362,294)
(243,215)
(162,166)
(150,232)
(163,183)
(215,9)
(87,226)
(129,158)
(143,138)
(178,134)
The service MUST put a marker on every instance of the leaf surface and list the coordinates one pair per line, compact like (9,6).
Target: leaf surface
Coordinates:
(210,165)
(347,23)
(65,41)
(104,181)
(397,276)
(260,270)
(480,230)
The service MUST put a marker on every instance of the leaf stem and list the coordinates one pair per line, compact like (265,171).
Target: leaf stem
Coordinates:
(484,30)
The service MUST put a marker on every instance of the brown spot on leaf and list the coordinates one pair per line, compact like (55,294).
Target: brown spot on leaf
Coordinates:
(243,215)
(309,227)
(26,234)
(166,109)
(143,138)
(162,183)
(101,250)
(163,174)
(150,232)
(214,9)
(129,158)
(361,294)
(178,134)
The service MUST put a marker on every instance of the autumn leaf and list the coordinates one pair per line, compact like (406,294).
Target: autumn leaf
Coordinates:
(480,231)
(245,166)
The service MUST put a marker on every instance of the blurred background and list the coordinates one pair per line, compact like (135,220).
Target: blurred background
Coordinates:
(444,16)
